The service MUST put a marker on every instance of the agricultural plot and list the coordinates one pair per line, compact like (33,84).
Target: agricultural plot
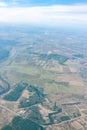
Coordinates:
(43,80)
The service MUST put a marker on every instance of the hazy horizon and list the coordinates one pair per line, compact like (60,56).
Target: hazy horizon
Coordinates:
(72,14)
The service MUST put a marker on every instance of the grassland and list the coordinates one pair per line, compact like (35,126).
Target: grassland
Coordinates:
(41,77)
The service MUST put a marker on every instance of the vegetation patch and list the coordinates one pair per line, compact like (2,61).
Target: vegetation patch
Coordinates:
(60,58)
(3,54)
(79,55)
(18,123)
(36,116)
(76,115)
(4,86)
(16,92)
(63,118)
(35,98)
(66,84)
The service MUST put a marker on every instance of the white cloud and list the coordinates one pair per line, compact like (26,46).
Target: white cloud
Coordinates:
(48,15)
(3,4)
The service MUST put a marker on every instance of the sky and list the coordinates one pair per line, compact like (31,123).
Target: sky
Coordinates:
(44,12)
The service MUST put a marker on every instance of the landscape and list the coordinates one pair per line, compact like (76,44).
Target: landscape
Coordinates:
(43,78)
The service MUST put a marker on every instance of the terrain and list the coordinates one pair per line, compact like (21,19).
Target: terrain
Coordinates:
(43,79)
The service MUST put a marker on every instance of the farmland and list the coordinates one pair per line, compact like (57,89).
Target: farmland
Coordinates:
(43,79)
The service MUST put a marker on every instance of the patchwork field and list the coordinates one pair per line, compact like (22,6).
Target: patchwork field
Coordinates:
(43,79)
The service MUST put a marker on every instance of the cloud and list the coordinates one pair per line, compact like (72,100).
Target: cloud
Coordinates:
(47,15)
(3,4)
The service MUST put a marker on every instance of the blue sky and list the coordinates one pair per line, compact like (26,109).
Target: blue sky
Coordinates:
(43,2)
(44,12)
